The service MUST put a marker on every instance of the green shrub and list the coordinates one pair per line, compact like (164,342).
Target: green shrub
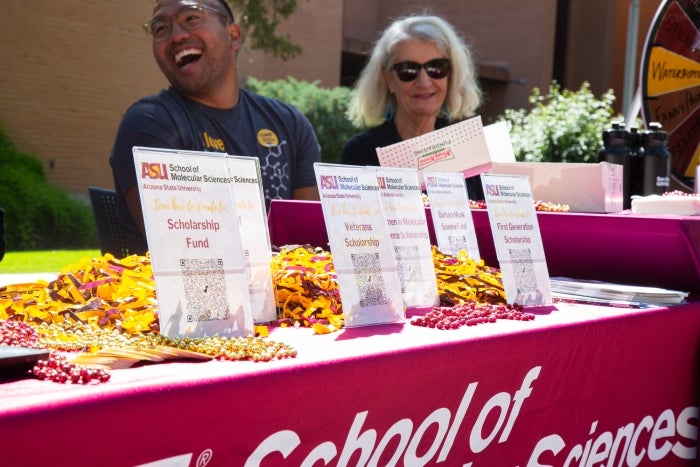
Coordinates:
(325,109)
(39,216)
(562,126)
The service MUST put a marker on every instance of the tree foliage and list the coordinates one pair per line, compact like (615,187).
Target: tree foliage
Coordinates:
(38,215)
(325,109)
(259,20)
(562,125)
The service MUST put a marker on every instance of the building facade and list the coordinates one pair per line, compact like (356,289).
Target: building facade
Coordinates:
(73,67)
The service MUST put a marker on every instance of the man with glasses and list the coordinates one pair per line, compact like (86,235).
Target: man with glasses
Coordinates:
(196,44)
(420,77)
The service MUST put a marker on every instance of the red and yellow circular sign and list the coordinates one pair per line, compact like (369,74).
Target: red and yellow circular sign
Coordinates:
(670,76)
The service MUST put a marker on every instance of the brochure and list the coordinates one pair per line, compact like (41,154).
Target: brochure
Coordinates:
(460,147)
(583,290)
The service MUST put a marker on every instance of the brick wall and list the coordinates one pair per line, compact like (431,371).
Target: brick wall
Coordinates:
(71,68)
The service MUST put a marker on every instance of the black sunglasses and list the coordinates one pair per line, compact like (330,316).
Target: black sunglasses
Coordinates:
(436,69)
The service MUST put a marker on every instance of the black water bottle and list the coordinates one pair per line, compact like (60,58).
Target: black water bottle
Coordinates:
(637,162)
(616,150)
(656,176)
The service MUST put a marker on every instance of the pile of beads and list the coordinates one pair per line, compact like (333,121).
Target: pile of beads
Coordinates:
(58,369)
(85,338)
(18,334)
(470,314)
(81,337)
(545,206)
(64,339)
(241,348)
(681,193)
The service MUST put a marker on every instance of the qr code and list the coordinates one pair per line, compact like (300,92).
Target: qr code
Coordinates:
(408,265)
(205,289)
(523,269)
(457,243)
(369,280)
(249,272)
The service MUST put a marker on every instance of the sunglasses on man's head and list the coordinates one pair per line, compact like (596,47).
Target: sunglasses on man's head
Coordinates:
(408,71)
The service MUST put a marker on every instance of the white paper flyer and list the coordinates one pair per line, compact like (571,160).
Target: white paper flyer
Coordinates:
(460,147)
(517,238)
(402,203)
(499,142)
(194,240)
(367,275)
(451,214)
(255,236)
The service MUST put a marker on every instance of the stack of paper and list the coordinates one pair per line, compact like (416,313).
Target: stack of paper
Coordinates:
(680,204)
(610,293)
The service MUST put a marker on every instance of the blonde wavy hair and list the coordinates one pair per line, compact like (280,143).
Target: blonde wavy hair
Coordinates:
(371,100)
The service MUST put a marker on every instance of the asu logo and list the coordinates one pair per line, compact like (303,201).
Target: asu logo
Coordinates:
(492,190)
(381,181)
(329,182)
(268,138)
(154,170)
(431,181)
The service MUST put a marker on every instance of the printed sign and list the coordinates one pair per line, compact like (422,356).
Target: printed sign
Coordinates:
(255,236)
(670,83)
(359,240)
(404,210)
(452,217)
(517,238)
(498,141)
(194,240)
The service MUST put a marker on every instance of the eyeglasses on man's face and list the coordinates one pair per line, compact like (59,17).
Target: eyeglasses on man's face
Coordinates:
(190,16)
(408,71)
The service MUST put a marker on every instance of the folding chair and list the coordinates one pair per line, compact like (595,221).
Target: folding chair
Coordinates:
(113,238)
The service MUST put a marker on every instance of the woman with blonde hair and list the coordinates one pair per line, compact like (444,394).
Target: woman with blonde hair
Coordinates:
(420,77)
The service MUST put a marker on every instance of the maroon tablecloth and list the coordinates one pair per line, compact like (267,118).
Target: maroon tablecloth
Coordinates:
(658,251)
(579,385)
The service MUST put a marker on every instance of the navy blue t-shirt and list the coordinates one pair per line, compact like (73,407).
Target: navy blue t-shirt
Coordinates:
(278,134)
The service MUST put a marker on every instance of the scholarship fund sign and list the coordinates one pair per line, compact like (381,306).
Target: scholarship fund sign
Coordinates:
(452,217)
(402,203)
(255,236)
(517,238)
(362,251)
(194,239)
